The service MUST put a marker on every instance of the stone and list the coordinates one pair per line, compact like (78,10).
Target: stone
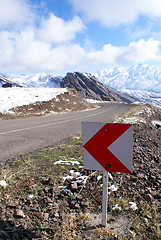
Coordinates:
(46,216)
(51,181)
(148,197)
(57,214)
(46,189)
(48,200)
(11,205)
(140,175)
(74,186)
(45,180)
(19,213)
(153,193)
(77,205)
(85,204)
(30,197)
(39,214)
(78,196)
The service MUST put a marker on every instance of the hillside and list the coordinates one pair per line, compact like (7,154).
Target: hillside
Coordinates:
(24,102)
(89,87)
(36,203)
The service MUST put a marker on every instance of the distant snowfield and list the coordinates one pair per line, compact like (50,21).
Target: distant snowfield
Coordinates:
(14,97)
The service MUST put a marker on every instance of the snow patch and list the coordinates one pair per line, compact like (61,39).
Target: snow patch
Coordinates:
(117,207)
(156,124)
(67,162)
(133,206)
(14,97)
(134,120)
(113,188)
(3,183)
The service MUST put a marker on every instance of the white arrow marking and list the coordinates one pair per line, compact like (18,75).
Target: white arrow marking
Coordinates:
(122,148)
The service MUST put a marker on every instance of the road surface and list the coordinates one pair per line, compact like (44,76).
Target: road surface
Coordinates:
(21,136)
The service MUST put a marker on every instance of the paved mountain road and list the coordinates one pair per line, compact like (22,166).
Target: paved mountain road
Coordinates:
(21,136)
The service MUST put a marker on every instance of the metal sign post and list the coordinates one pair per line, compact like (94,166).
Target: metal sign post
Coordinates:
(104,198)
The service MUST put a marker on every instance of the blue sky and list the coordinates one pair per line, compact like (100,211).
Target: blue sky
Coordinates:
(57,36)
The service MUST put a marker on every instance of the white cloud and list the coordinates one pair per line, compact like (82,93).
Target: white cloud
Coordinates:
(22,52)
(28,47)
(107,55)
(135,52)
(55,29)
(15,12)
(50,46)
(115,12)
(141,51)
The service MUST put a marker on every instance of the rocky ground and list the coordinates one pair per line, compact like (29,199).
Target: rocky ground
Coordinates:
(49,195)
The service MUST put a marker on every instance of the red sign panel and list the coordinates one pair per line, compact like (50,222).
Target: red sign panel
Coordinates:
(108,146)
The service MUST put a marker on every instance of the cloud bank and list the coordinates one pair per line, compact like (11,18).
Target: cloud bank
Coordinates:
(30,42)
(15,13)
(117,12)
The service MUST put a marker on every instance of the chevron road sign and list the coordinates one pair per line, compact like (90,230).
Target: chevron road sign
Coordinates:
(107,146)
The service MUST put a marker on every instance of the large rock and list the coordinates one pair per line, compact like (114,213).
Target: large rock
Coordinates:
(89,87)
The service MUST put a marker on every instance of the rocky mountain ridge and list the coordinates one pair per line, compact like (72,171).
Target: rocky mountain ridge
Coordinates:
(89,87)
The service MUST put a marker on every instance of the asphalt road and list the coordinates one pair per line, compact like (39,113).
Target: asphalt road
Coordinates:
(21,136)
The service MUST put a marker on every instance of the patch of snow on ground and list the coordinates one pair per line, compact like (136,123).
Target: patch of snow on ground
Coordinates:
(99,177)
(133,206)
(95,101)
(117,207)
(3,183)
(133,120)
(14,97)
(113,188)
(146,110)
(156,124)
(66,162)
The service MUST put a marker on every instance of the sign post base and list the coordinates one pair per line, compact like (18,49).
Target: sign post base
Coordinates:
(104,198)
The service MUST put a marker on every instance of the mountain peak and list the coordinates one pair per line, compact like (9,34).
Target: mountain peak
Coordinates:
(138,77)
(89,87)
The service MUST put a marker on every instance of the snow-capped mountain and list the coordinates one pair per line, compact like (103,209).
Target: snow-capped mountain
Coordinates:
(34,80)
(145,97)
(139,77)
